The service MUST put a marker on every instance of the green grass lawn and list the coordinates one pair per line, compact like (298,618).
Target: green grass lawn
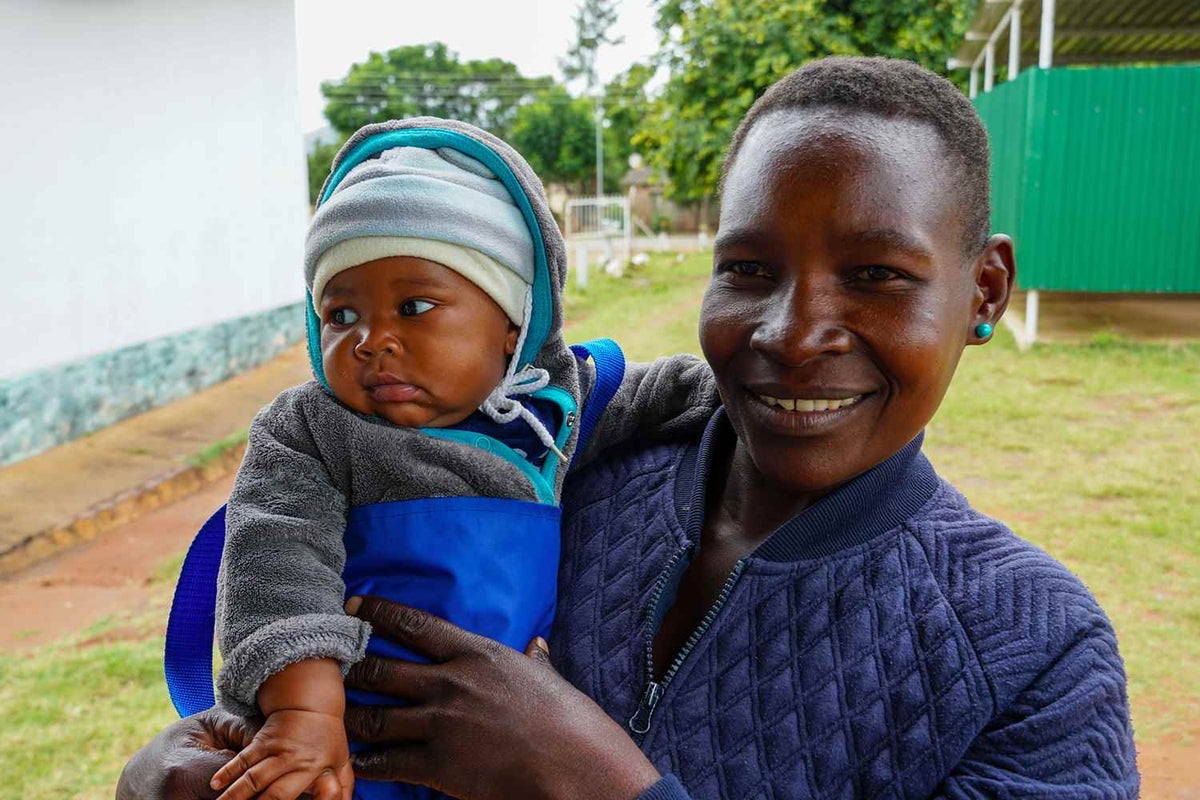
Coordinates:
(1089,451)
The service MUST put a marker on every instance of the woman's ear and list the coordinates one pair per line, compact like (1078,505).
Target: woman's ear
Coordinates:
(995,273)
(510,339)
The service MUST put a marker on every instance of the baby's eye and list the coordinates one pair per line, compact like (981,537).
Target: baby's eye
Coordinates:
(343,316)
(412,308)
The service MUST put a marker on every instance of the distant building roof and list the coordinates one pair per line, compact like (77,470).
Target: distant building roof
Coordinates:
(1092,31)
(325,135)
(642,176)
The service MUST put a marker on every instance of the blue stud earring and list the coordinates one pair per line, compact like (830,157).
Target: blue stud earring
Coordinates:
(983,330)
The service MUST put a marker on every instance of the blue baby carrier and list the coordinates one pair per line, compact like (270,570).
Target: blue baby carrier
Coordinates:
(489,565)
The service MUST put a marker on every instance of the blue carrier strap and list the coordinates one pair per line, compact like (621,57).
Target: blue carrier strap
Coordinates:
(187,659)
(610,371)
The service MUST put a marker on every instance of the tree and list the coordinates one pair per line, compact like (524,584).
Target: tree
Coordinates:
(722,54)
(626,103)
(320,161)
(593,21)
(429,79)
(556,134)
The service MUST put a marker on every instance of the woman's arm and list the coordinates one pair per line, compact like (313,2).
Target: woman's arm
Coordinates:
(668,398)
(1067,735)
(486,720)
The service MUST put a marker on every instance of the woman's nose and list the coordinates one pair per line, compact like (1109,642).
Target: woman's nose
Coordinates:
(801,325)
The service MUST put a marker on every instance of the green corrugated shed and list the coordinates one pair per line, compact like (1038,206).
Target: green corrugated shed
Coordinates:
(1096,175)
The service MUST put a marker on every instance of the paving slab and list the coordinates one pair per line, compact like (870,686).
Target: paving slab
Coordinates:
(75,491)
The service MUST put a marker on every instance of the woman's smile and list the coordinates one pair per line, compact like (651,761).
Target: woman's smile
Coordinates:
(798,413)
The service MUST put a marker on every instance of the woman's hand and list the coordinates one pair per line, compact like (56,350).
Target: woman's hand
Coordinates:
(486,720)
(179,762)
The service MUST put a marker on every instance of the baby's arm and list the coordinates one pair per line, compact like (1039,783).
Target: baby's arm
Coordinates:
(302,744)
(671,397)
(285,638)
(280,591)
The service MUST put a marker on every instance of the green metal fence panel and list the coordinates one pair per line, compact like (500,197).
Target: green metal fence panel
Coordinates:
(1003,110)
(1096,174)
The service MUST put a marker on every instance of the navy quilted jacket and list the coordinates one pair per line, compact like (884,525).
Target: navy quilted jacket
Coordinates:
(890,641)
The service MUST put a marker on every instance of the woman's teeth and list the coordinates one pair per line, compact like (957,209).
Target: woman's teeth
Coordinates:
(809,405)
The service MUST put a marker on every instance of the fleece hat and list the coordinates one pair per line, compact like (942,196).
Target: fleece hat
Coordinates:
(436,204)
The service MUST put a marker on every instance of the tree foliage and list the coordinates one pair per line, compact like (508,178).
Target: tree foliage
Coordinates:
(626,101)
(556,134)
(429,79)
(593,20)
(320,162)
(722,54)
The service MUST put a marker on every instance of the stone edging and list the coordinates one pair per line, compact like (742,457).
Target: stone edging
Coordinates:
(123,508)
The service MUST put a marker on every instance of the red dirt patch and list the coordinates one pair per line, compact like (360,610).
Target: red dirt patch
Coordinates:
(1170,769)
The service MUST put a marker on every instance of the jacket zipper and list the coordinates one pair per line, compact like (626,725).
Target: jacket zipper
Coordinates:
(639,723)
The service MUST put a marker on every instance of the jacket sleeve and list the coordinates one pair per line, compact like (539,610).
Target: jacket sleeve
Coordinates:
(1067,735)
(280,590)
(669,398)
(668,788)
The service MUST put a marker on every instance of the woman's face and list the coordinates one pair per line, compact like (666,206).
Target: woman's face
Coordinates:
(841,299)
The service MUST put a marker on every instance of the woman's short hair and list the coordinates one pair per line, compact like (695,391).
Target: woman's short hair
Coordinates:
(891,87)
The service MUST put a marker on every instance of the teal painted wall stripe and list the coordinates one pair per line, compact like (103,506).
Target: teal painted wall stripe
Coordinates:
(1095,175)
(46,408)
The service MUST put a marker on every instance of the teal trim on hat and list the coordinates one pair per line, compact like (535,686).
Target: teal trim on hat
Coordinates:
(312,335)
(541,318)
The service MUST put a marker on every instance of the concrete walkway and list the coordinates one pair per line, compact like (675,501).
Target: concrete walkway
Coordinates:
(77,490)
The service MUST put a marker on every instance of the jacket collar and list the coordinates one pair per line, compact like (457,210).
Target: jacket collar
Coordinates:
(879,500)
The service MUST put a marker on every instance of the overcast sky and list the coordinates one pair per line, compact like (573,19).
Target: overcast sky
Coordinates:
(532,34)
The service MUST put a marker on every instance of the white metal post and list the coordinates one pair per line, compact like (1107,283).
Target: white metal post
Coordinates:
(581,266)
(1014,41)
(1031,316)
(1046,44)
(974,83)
(989,66)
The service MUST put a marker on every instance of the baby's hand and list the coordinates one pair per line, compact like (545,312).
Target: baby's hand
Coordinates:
(295,751)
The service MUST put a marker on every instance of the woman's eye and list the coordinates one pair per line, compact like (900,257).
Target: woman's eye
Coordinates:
(343,316)
(877,273)
(412,308)
(748,269)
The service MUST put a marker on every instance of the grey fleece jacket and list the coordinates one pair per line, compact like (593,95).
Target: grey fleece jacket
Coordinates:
(309,460)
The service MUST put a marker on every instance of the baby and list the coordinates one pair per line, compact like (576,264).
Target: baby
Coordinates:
(425,461)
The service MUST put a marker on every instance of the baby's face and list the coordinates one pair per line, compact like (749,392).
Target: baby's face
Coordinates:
(412,341)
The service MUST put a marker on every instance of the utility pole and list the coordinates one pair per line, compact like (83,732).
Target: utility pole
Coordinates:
(593,19)
(599,147)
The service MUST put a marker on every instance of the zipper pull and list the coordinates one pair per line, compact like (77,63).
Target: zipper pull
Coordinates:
(640,722)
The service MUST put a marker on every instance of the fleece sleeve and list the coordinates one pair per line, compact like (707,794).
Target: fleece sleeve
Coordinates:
(669,398)
(1067,735)
(280,590)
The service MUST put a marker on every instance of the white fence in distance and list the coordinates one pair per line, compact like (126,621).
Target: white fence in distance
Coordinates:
(598,219)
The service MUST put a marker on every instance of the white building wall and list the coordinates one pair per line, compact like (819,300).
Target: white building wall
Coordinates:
(153,176)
